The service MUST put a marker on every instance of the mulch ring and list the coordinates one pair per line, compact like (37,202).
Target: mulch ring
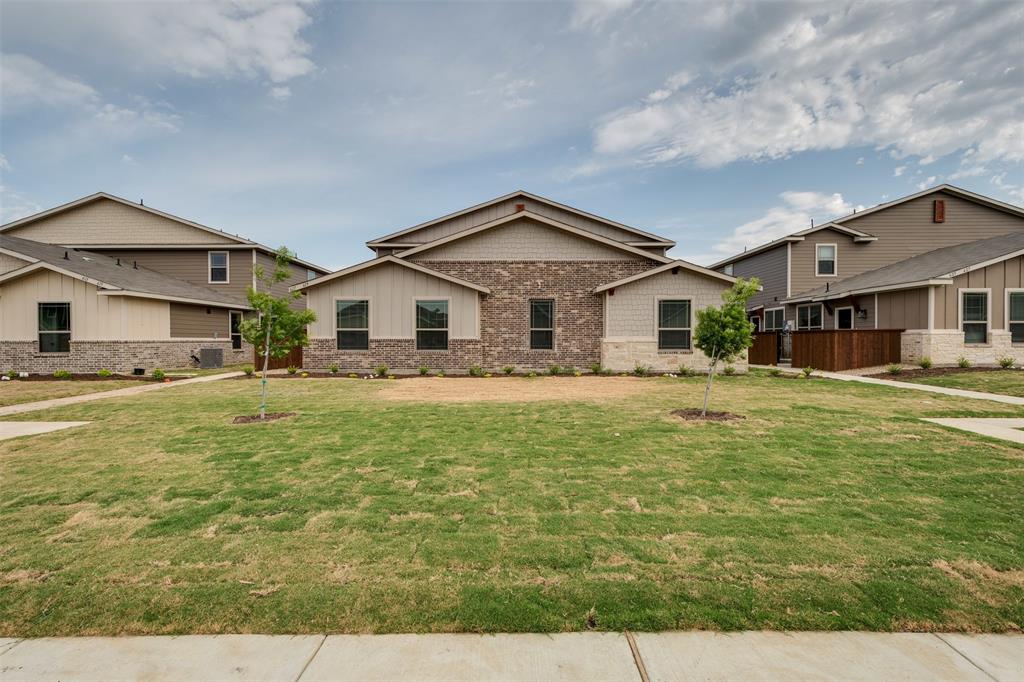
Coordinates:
(693,414)
(255,418)
(96,377)
(912,374)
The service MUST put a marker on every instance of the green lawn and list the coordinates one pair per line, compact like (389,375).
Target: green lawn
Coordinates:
(829,507)
(1005,381)
(16,392)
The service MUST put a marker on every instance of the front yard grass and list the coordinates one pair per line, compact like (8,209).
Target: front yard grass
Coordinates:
(16,391)
(1003,381)
(829,507)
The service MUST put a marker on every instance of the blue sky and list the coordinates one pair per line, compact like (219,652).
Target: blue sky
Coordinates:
(322,125)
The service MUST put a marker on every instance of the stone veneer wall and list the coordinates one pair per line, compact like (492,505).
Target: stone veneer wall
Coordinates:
(117,356)
(946,346)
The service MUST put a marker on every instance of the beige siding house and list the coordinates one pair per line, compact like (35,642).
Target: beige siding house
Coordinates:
(519,281)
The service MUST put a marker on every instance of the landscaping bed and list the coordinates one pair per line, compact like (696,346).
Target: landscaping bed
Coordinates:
(985,379)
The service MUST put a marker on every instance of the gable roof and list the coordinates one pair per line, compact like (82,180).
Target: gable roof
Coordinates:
(858,236)
(643,237)
(934,267)
(396,261)
(550,222)
(665,268)
(235,239)
(124,279)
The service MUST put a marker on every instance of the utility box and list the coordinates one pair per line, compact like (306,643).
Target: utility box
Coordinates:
(211,358)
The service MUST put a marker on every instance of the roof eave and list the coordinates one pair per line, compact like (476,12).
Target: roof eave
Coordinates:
(934,281)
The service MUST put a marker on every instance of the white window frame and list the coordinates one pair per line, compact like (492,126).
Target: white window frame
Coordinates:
(810,305)
(416,328)
(835,317)
(771,310)
(835,260)
(988,313)
(369,307)
(529,321)
(231,336)
(67,331)
(658,327)
(209,267)
(1006,312)
(729,269)
(756,321)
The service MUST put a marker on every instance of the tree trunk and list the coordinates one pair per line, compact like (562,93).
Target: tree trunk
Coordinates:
(707,386)
(266,366)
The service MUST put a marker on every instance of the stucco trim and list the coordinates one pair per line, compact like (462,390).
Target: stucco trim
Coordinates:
(380,261)
(665,268)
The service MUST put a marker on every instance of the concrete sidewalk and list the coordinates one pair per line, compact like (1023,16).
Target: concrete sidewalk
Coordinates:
(588,657)
(116,393)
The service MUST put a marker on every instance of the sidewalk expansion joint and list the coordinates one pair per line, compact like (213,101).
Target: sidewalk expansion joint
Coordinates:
(637,659)
(310,659)
(965,656)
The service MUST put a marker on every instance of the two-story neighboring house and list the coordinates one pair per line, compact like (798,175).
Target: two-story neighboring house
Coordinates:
(944,264)
(103,282)
(518,281)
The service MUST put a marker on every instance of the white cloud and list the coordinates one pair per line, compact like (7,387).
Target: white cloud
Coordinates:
(898,171)
(927,182)
(1016,191)
(916,79)
(594,14)
(14,205)
(860,161)
(280,92)
(794,214)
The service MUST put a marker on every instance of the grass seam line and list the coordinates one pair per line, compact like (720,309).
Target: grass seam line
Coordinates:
(310,659)
(964,656)
(637,659)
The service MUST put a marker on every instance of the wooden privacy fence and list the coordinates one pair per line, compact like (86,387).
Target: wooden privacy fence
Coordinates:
(765,350)
(293,359)
(836,350)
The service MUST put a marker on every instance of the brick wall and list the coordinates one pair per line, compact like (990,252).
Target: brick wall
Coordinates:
(398,354)
(117,356)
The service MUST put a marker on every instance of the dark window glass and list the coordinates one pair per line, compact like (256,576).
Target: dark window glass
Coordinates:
(674,339)
(975,317)
(809,317)
(54,327)
(236,330)
(774,319)
(542,322)
(826,260)
(353,339)
(432,325)
(429,339)
(218,266)
(353,325)
(542,339)
(844,318)
(674,325)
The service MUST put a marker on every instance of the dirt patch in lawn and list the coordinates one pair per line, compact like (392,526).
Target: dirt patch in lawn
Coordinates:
(255,418)
(914,374)
(513,389)
(693,414)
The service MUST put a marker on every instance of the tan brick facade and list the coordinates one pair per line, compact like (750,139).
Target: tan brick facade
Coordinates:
(117,356)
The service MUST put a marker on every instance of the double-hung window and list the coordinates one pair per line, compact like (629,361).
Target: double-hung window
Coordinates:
(235,328)
(825,260)
(431,325)
(774,319)
(353,324)
(54,327)
(218,262)
(974,316)
(1015,316)
(542,324)
(809,316)
(674,325)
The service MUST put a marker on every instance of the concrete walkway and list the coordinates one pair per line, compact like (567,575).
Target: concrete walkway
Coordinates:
(19,429)
(588,657)
(116,393)
(1004,429)
(960,393)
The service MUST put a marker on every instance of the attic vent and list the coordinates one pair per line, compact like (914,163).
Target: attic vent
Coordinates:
(520,207)
(939,211)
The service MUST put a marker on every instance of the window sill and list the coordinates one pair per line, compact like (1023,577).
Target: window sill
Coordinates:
(433,350)
(675,351)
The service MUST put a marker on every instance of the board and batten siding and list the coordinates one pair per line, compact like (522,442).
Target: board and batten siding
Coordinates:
(9,263)
(391,290)
(105,221)
(94,317)
(199,322)
(769,267)
(1009,274)
(192,266)
(907,309)
(522,240)
(631,313)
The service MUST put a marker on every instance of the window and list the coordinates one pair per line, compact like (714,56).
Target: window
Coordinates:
(974,316)
(235,328)
(844,318)
(728,269)
(218,267)
(774,319)
(353,324)
(756,321)
(825,256)
(673,325)
(54,327)
(808,316)
(1015,316)
(310,274)
(542,324)
(431,325)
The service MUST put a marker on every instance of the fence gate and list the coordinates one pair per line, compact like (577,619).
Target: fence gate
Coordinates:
(293,359)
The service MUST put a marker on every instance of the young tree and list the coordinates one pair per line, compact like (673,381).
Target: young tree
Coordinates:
(277,328)
(724,333)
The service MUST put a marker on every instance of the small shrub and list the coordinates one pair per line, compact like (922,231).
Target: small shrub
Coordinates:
(775,372)
(808,371)
(685,371)
(292,369)
(487,375)
(381,370)
(304,375)
(353,375)
(641,370)
(596,368)
(440,374)
(63,374)
(554,370)
(424,370)
(1007,362)
(476,371)
(577,373)
(159,374)
(532,375)
(508,369)
(729,370)
(248,369)
(333,368)
(962,362)
(925,363)
(12,374)
(104,373)
(894,369)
